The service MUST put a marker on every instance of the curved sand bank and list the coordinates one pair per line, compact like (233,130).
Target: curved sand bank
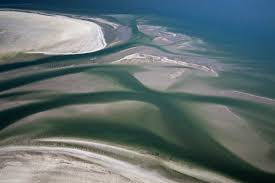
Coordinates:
(48,34)
(105,163)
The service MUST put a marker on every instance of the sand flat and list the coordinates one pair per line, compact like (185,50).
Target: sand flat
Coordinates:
(48,34)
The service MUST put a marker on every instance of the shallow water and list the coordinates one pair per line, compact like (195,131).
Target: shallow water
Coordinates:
(176,114)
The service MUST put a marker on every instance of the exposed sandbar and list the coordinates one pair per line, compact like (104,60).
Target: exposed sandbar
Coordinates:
(32,32)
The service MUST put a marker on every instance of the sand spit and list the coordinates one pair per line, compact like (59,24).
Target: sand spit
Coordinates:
(79,165)
(256,98)
(101,20)
(32,32)
(138,58)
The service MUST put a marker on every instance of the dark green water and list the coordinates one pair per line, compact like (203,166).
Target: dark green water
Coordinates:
(179,135)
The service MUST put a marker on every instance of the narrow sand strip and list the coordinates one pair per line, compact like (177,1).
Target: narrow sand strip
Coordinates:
(250,96)
(138,58)
(143,157)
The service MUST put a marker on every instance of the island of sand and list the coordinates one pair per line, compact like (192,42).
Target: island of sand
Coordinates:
(25,32)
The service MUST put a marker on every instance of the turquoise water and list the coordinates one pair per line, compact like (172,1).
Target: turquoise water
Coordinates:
(167,123)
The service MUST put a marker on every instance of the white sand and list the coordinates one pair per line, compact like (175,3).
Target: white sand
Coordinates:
(138,58)
(63,164)
(48,34)
(58,164)
(184,168)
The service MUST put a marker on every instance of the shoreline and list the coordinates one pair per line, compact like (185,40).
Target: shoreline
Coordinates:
(63,35)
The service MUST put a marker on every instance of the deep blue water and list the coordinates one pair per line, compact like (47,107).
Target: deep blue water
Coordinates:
(246,24)
(243,30)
